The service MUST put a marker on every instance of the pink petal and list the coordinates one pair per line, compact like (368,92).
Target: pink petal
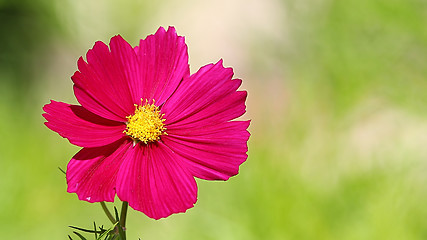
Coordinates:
(198,123)
(106,77)
(207,97)
(154,181)
(80,126)
(163,63)
(92,172)
(94,106)
(211,152)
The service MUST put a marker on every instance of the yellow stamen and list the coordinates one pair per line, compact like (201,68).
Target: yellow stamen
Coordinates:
(146,125)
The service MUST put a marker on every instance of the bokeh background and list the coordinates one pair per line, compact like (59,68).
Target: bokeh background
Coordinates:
(337,98)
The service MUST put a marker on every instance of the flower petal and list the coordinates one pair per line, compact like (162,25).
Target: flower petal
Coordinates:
(163,60)
(106,77)
(208,97)
(154,181)
(80,126)
(211,152)
(198,123)
(92,172)
(94,106)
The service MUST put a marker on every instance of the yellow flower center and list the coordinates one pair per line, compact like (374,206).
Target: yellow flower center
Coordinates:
(146,125)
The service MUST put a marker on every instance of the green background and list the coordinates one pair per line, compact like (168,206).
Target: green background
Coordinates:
(337,99)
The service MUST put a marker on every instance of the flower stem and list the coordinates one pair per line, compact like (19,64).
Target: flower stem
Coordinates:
(107,212)
(123,214)
(122,223)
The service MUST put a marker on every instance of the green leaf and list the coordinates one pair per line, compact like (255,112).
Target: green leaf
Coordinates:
(80,236)
(117,214)
(60,169)
(121,232)
(85,230)
(94,229)
(105,234)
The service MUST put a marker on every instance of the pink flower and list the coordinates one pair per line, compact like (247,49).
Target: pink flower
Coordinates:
(148,127)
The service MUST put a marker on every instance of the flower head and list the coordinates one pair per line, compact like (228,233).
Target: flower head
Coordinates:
(148,127)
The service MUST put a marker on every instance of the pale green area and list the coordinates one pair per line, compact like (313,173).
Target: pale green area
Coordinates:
(337,102)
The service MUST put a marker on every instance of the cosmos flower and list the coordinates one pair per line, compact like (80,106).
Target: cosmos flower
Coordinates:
(148,127)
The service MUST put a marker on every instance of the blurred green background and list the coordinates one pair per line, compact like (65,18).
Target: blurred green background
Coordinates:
(337,97)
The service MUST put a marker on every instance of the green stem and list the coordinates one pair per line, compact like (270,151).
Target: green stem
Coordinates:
(122,223)
(107,212)
(123,214)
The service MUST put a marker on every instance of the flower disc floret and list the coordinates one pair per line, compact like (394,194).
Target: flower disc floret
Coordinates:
(146,125)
